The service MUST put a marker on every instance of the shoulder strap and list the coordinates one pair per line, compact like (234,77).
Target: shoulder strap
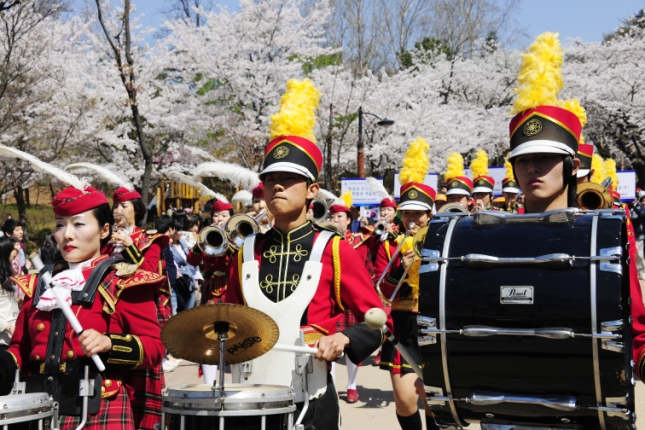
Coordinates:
(320,244)
(249,248)
(40,287)
(87,294)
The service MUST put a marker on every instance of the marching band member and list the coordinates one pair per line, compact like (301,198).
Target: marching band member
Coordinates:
(416,207)
(143,250)
(585,155)
(510,191)
(340,214)
(440,201)
(460,187)
(216,271)
(484,185)
(278,264)
(544,136)
(119,321)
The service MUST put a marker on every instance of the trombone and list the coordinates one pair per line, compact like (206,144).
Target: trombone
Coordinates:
(389,264)
(453,208)
(593,196)
(320,210)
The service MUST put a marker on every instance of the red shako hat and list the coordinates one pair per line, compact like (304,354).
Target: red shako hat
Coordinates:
(417,196)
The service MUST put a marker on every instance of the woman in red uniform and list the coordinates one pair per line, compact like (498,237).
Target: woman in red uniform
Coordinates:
(143,249)
(216,271)
(118,319)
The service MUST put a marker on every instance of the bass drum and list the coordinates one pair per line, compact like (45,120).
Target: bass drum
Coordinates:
(524,320)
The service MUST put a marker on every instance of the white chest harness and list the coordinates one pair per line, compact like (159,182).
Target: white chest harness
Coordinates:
(280,367)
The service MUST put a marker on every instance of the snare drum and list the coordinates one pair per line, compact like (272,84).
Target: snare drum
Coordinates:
(245,407)
(32,409)
(525,319)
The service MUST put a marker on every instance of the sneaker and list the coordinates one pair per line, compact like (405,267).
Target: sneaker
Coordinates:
(377,359)
(352,396)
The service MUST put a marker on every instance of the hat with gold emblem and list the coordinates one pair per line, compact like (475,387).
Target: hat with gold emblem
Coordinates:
(415,195)
(542,123)
(293,144)
(456,180)
(479,169)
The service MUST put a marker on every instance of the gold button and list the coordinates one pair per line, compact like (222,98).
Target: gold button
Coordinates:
(37,357)
(128,338)
(41,327)
(70,354)
(102,390)
(108,383)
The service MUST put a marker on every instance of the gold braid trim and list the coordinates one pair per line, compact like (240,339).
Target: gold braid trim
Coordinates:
(14,359)
(641,363)
(140,351)
(335,253)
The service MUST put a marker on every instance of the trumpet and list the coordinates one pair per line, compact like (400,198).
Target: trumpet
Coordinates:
(454,208)
(594,196)
(380,228)
(115,227)
(320,210)
(389,264)
(240,226)
(212,241)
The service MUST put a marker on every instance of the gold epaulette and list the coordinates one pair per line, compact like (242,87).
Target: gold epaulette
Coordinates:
(140,277)
(27,283)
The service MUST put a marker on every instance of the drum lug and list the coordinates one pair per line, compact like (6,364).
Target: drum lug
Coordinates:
(607,266)
(427,337)
(432,266)
(608,327)
(434,396)
(618,409)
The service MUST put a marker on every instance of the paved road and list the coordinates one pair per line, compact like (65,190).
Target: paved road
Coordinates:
(375,408)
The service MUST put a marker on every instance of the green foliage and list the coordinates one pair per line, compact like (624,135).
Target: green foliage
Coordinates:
(425,52)
(210,85)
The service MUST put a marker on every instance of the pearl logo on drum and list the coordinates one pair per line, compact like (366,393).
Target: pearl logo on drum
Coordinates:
(516,295)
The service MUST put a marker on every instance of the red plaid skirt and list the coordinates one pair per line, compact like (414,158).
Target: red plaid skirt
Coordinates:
(347,320)
(164,311)
(115,414)
(146,400)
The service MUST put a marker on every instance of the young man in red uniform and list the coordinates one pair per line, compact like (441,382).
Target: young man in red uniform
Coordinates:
(302,266)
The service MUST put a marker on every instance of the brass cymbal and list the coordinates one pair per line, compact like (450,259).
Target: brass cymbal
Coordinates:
(191,334)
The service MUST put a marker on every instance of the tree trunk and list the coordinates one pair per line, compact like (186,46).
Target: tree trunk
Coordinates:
(22,210)
(27,203)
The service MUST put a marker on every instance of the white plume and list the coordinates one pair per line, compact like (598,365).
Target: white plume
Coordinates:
(377,187)
(43,167)
(238,175)
(244,197)
(104,174)
(203,189)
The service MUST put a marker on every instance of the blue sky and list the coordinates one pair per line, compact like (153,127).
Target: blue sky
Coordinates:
(586,19)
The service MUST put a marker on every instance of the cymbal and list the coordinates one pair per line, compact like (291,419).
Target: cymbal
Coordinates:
(191,334)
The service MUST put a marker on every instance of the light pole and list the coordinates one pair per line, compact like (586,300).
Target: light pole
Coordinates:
(360,147)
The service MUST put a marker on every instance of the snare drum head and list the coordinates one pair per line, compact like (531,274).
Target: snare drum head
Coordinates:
(197,391)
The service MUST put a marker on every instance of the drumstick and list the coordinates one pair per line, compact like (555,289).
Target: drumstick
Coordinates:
(300,349)
(375,319)
(62,304)
(73,321)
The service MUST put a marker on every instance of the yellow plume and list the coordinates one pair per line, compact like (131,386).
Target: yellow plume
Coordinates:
(479,165)
(597,164)
(416,162)
(297,114)
(540,76)
(610,172)
(574,107)
(346,198)
(454,166)
(509,169)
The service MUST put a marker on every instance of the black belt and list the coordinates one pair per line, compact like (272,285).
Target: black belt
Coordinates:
(72,366)
(217,273)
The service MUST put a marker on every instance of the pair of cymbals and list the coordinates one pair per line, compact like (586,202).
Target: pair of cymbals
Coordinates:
(192,334)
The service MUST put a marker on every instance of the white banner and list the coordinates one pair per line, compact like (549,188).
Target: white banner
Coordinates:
(362,194)
(431,179)
(627,185)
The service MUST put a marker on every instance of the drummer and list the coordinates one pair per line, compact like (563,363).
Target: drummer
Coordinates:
(484,185)
(292,162)
(119,322)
